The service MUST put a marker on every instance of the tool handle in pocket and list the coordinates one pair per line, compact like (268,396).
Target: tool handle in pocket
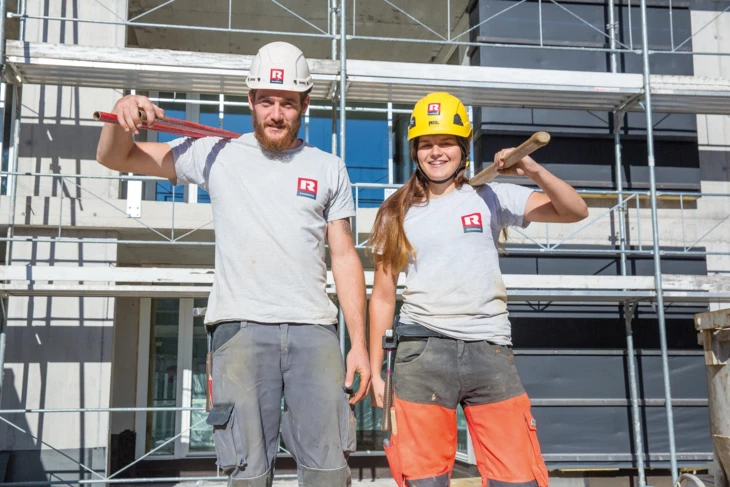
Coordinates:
(208,381)
(387,402)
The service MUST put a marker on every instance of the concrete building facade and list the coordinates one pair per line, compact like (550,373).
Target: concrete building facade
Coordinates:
(102,275)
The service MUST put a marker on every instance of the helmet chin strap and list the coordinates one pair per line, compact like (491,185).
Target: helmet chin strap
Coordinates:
(441,181)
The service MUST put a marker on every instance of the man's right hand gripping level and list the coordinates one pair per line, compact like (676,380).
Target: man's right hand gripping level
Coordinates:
(127,111)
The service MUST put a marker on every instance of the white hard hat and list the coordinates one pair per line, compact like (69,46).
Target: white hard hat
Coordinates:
(279,66)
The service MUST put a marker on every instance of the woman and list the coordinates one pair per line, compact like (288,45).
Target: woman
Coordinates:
(454,332)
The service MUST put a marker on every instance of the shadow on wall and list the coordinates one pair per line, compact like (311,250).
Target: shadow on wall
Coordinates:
(59,347)
(44,346)
(25,465)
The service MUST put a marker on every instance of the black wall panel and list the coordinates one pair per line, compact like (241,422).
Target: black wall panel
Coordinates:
(561,28)
(582,150)
(588,162)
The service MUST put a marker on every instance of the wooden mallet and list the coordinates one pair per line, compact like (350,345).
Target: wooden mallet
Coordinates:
(537,140)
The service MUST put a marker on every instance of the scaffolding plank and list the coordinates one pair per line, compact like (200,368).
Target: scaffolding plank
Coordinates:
(144,69)
(192,282)
(480,86)
(368,81)
(203,276)
(514,295)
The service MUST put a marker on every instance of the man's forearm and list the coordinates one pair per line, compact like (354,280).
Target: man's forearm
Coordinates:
(350,283)
(114,146)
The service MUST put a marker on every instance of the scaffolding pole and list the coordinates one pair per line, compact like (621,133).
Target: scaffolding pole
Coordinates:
(655,240)
(628,306)
(3,318)
(343,122)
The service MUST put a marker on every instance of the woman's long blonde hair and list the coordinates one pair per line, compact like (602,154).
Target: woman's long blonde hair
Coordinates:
(388,242)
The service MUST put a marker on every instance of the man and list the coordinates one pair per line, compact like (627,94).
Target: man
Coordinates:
(274,200)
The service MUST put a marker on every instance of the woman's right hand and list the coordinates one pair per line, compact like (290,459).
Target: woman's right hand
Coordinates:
(378,391)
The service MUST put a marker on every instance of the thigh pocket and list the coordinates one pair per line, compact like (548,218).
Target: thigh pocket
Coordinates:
(348,427)
(391,453)
(537,463)
(227,435)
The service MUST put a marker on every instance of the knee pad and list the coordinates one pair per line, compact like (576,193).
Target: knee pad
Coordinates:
(264,480)
(336,477)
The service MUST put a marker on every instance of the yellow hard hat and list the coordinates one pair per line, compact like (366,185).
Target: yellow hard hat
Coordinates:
(439,113)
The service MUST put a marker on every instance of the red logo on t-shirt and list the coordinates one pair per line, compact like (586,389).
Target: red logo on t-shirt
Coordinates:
(472,223)
(277,76)
(434,108)
(307,188)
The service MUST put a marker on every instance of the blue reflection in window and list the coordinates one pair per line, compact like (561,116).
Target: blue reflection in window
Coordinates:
(367,152)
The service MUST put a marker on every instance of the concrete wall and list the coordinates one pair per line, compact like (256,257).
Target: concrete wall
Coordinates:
(713,131)
(81,352)
(58,355)
(59,352)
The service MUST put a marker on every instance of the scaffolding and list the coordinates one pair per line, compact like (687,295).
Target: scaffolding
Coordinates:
(342,82)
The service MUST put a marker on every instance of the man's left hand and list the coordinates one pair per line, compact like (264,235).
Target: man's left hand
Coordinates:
(358,362)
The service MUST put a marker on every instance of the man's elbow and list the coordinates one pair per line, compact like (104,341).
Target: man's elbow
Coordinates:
(101,159)
(106,159)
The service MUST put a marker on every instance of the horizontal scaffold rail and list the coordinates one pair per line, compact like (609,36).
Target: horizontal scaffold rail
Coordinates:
(180,282)
(367,81)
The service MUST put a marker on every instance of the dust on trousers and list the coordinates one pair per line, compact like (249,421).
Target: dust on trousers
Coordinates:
(253,366)
(432,376)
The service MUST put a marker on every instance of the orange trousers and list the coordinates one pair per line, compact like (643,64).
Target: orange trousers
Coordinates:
(431,377)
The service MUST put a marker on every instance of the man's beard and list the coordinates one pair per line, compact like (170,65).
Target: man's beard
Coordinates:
(283,142)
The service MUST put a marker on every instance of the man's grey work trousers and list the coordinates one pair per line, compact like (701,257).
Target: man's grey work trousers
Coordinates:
(253,365)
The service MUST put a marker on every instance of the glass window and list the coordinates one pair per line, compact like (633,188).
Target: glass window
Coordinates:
(461,432)
(162,392)
(201,437)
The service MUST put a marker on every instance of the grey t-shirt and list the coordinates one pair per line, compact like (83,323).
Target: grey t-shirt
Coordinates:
(454,285)
(270,216)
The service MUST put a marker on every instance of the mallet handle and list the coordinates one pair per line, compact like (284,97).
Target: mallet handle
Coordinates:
(537,140)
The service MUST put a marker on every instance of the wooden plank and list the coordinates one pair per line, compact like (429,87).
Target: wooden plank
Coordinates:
(712,320)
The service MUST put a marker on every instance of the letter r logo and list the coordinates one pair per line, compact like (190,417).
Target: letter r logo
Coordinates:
(472,223)
(307,188)
(277,76)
